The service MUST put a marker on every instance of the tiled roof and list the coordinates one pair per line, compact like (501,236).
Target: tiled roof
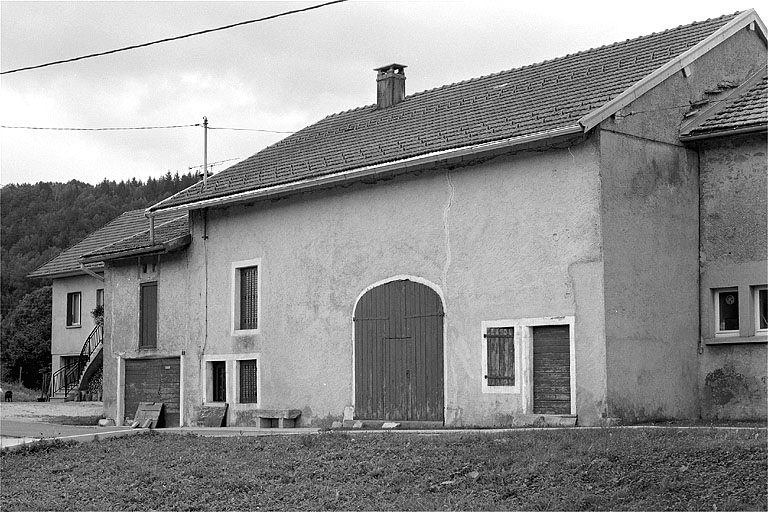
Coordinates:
(540,97)
(749,109)
(68,263)
(165,232)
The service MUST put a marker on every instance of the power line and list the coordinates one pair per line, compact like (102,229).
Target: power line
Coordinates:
(120,128)
(247,129)
(167,39)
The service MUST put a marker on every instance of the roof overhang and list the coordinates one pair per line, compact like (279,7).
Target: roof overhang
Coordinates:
(68,273)
(715,107)
(454,156)
(162,248)
(681,62)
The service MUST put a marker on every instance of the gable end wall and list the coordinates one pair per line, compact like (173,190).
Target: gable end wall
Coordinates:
(650,224)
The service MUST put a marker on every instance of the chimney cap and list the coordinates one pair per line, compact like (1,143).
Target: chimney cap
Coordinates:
(390,67)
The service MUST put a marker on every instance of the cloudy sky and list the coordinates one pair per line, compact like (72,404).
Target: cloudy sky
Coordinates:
(276,76)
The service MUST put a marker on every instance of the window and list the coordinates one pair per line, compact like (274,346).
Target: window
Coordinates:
(148,316)
(246,286)
(761,309)
(248,381)
(100,297)
(727,312)
(232,378)
(500,351)
(501,363)
(219,379)
(249,298)
(73,309)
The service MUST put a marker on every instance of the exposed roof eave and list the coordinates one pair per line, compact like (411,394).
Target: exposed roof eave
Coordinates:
(723,133)
(163,248)
(68,273)
(403,165)
(679,63)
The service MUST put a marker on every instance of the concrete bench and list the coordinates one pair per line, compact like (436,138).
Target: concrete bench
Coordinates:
(277,418)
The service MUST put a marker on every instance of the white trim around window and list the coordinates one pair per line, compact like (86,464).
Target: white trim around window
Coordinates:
(518,351)
(74,309)
(235,296)
(760,301)
(724,314)
(232,364)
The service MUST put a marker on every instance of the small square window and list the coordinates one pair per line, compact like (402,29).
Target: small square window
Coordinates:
(248,381)
(73,309)
(761,309)
(727,312)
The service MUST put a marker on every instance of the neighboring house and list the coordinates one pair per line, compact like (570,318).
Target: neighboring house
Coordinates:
(521,247)
(730,137)
(77,291)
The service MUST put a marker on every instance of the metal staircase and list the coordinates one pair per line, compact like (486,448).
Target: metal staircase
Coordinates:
(73,377)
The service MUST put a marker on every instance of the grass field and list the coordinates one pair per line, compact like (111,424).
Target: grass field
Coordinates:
(601,469)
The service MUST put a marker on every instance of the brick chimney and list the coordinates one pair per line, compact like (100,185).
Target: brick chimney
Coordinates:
(390,85)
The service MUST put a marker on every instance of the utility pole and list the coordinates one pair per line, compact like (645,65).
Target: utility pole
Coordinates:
(205,150)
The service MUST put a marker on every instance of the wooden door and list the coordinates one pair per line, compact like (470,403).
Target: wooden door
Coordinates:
(399,353)
(154,380)
(552,369)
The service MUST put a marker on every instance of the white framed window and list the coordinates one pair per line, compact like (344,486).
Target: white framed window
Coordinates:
(726,312)
(73,309)
(246,296)
(100,297)
(501,360)
(761,309)
(232,378)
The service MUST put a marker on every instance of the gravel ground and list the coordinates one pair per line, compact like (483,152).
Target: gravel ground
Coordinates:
(41,411)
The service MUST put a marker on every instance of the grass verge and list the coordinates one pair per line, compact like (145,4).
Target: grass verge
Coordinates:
(609,469)
(20,393)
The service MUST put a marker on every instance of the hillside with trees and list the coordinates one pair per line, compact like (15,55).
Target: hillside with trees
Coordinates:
(39,221)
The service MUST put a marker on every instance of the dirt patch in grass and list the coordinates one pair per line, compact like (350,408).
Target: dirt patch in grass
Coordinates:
(637,469)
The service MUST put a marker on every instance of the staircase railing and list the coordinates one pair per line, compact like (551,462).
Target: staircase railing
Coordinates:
(67,378)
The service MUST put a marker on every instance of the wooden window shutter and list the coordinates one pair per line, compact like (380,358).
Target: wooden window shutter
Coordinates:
(248,382)
(501,356)
(249,300)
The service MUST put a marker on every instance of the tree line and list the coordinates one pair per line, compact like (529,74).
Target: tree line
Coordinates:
(37,222)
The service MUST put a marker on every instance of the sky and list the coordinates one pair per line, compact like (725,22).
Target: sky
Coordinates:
(276,76)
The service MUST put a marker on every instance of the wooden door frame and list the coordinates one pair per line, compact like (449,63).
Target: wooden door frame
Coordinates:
(419,280)
(120,384)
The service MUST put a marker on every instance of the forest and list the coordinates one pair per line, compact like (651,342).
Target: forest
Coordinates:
(37,222)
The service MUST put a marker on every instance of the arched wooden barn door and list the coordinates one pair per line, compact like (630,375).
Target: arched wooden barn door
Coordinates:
(399,353)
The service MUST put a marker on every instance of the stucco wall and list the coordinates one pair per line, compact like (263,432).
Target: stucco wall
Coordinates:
(176,329)
(517,237)
(650,221)
(734,231)
(68,341)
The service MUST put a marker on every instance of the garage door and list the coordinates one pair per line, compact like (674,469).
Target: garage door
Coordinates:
(154,380)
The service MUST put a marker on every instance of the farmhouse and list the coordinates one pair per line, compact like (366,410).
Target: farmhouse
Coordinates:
(78,291)
(578,240)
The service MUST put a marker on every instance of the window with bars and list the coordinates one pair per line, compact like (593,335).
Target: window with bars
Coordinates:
(500,353)
(249,297)
(248,381)
(73,309)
